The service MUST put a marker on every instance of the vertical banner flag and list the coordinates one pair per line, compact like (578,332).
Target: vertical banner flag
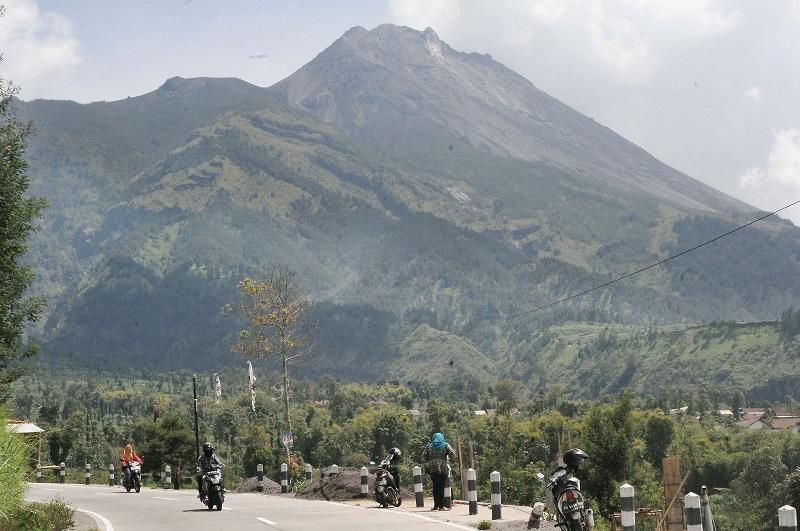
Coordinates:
(252,385)
(217,387)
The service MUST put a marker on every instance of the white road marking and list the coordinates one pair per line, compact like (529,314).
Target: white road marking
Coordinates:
(162,498)
(227,509)
(104,494)
(51,490)
(444,522)
(268,522)
(103,519)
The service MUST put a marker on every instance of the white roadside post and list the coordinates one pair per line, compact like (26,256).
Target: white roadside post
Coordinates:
(260,477)
(694,521)
(168,476)
(787,518)
(62,472)
(418,487)
(88,473)
(494,477)
(38,475)
(111,475)
(284,478)
(472,494)
(626,494)
(333,470)
(364,482)
(309,473)
(536,516)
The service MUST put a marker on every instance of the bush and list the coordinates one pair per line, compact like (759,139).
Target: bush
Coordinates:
(54,515)
(13,471)
(484,524)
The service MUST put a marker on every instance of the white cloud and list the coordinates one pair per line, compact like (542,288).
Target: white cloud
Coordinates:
(38,46)
(753,92)
(778,183)
(627,37)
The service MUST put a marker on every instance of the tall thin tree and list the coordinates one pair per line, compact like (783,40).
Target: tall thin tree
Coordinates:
(278,314)
(18,216)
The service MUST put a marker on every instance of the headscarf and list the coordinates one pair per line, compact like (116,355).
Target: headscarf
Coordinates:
(437,442)
(127,453)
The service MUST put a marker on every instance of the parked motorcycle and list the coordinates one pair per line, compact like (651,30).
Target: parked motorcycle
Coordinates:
(564,494)
(213,494)
(134,477)
(387,488)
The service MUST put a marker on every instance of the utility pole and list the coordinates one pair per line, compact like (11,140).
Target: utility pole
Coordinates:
(196,427)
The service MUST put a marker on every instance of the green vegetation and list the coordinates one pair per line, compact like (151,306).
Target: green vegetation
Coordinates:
(18,217)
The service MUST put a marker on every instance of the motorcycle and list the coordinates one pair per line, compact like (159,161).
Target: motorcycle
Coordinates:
(134,478)
(565,498)
(387,491)
(213,494)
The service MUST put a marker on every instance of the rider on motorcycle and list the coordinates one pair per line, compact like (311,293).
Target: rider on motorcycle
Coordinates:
(394,462)
(208,460)
(128,456)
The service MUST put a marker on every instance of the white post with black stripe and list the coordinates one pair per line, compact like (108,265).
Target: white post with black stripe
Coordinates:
(38,475)
(333,470)
(420,499)
(472,493)
(309,473)
(364,482)
(708,518)
(787,518)
(260,477)
(111,475)
(694,521)
(88,473)
(62,472)
(626,495)
(494,477)
(168,476)
(284,478)
(536,516)
(448,490)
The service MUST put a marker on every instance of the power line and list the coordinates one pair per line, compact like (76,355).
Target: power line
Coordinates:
(444,333)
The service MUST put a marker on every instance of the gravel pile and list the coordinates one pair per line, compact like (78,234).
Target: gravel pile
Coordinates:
(251,485)
(346,485)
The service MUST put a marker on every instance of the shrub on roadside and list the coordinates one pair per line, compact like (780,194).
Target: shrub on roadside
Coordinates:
(13,471)
(51,516)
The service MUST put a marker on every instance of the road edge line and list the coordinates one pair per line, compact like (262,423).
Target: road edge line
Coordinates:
(98,518)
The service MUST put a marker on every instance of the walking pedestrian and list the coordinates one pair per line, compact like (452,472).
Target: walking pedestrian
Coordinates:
(436,457)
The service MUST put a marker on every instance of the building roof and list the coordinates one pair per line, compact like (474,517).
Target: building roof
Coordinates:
(18,426)
(785,423)
(725,412)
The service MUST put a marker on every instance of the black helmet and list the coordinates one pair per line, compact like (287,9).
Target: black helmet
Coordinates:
(394,454)
(575,457)
(208,449)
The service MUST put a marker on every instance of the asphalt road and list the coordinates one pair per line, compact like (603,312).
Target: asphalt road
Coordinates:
(157,510)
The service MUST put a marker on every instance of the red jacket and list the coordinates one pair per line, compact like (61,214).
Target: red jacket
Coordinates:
(135,458)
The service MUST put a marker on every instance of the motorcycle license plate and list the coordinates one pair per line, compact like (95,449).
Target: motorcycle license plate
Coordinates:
(569,507)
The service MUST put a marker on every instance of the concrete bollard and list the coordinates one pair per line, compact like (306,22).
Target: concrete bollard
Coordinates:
(88,473)
(364,482)
(472,494)
(448,490)
(260,474)
(418,487)
(111,475)
(626,495)
(536,516)
(694,522)
(168,476)
(708,518)
(284,478)
(494,477)
(333,470)
(309,473)
(62,472)
(787,518)
(38,475)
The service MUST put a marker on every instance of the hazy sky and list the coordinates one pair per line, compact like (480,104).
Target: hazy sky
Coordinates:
(708,86)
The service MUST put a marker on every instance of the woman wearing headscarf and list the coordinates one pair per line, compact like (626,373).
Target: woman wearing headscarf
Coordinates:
(436,456)
(128,456)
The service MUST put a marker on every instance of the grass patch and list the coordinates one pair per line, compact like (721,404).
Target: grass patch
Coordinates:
(484,524)
(55,515)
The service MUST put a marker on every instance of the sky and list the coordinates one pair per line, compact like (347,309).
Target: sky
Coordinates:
(707,86)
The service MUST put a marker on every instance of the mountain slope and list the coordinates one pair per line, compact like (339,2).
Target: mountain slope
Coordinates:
(407,93)
(160,203)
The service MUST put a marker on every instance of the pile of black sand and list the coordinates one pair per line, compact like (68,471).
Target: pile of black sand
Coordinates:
(251,485)
(346,485)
